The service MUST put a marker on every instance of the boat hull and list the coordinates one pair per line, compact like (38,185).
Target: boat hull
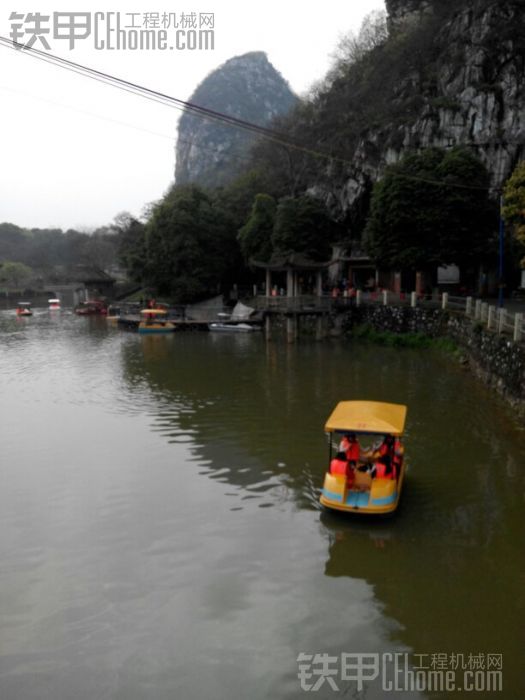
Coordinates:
(156,328)
(232,327)
(367,497)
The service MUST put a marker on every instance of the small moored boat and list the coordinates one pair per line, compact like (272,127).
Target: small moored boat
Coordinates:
(54,304)
(233,327)
(155,321)
(372,478)
(24,308)
(94,307)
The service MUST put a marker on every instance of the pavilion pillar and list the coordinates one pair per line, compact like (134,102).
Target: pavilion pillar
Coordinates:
(397,283)
(319,283)
(290,292)
(419,283)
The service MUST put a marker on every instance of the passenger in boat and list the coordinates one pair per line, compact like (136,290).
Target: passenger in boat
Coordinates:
(391,447)
(350,446)
(383,469)
(341,465)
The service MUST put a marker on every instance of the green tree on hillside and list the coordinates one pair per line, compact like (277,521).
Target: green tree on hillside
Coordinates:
(514,204)
(190,245)
(431,209)
(131,251)
(302,225)
(15,274)
(237,197)
(255,237)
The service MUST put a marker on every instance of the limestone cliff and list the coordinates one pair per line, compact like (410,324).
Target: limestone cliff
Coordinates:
(450,74)
(246,87)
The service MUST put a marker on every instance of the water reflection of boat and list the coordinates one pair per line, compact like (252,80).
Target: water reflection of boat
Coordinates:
(233,327)
(113,314)
(155,321)
(355,491)
(24,308)
(54,304)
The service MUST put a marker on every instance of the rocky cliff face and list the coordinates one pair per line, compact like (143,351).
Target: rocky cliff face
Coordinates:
(246,87)
(406,12)
(473,93)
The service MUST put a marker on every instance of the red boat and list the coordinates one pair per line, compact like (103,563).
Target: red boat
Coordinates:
(92,308)
(24,308)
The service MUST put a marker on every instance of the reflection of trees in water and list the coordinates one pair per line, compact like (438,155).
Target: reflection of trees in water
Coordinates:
(447,565)
(251,405)
(451,590)
(241,403)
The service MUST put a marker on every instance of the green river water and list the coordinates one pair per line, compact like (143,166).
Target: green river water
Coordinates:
(161,535)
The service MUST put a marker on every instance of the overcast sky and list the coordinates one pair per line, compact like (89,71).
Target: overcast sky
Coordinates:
(75,153)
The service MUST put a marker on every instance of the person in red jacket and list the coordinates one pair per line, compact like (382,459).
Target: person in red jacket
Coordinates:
(340,465)
(391,447)
(382,469)
(350,446)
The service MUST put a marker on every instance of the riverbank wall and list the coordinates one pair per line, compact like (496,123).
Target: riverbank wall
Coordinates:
(495,359)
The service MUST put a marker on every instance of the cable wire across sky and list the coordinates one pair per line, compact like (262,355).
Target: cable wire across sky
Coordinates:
(203,112)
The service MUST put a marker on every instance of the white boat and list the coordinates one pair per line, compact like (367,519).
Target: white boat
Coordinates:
(54,304)
(233,327)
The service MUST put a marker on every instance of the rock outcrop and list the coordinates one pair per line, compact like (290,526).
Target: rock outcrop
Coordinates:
(471,93)
(247,87)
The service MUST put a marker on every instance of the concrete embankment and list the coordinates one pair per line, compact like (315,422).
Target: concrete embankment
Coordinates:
(496,359)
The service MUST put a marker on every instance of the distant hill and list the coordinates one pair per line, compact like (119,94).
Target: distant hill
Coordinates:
(247,87)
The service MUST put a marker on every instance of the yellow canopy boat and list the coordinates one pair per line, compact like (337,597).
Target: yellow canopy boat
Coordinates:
(372,480)
(155,321)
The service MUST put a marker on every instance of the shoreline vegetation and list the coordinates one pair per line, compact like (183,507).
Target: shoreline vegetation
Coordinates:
(497,363)
(366,331)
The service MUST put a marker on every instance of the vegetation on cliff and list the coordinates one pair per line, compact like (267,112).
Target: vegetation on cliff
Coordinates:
(514,206)
(431,209)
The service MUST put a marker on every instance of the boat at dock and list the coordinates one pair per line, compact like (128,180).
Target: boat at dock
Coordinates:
(94,307)
(54,304)
(233,327)
(155,321)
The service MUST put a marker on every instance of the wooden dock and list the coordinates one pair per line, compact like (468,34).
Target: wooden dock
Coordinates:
(131,323)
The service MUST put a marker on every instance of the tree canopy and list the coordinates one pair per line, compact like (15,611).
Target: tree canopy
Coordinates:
(15,274)
(190,244)
(255,237)
(431,209)
(302,225)
(514,204)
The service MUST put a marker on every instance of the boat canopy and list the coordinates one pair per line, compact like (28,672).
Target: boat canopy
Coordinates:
(53,301)
(24,303)
(367,417)
(158,312)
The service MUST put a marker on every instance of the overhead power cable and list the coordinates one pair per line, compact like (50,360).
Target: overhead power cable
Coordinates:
(203,112)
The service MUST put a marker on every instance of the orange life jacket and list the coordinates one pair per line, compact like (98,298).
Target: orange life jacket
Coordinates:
(391,450)
(353,452)
(381,471)
(338,466)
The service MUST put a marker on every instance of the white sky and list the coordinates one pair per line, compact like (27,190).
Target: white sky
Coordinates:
(74,153)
